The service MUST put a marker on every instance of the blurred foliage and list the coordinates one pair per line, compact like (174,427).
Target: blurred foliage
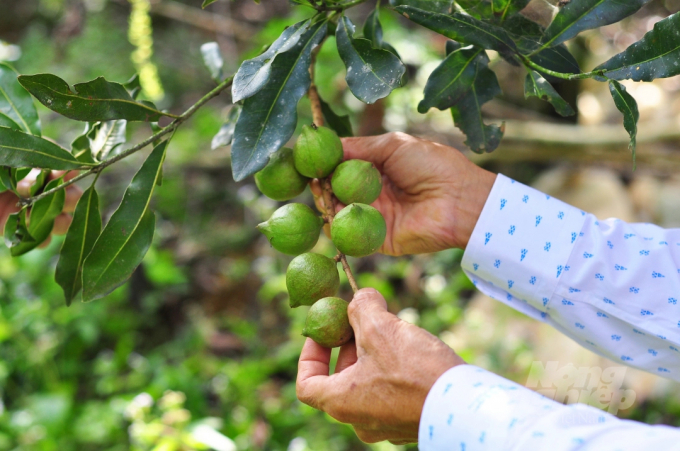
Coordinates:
(201,336)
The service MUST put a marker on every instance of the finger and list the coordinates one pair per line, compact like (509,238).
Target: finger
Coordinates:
(376,149)
(61,224)
(367,303)
(73,195)
(312,378)
(346,357)
(45,243)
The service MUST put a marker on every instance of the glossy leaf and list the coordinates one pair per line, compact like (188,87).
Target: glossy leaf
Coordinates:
(16,230)
(452,79)
(479,9)
(133,86)
(41,220)
(656,55)
(467,113)
(268,118)
(537,86)
(16,103)
(6,121)
(20,150)
(6,179)
(226,133)
(127,236)
(107,138)
(254,73)
(462,28)
(340,124)
(579,15)
(439,6)
(81,146)
(507,8)
(96,100)
(373,28)
(372,73)
(212,58)
(627,105)
(81,236)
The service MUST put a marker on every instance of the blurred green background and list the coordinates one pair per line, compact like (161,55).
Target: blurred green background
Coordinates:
(200,345)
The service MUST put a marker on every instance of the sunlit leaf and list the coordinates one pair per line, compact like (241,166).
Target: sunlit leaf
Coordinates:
(226,133)
(127,236)
(107,139)
(462,28)
(96,100)
(268,118)
(372,73)
(78,243)
(439,6)
(253,74)
(16,103)
(579,15)
(20,150)
(656,55)
(537,86)
(452,79)
(627,105)
(212,58)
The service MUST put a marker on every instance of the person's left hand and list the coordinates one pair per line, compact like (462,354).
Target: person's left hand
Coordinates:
(381,379)
(9,200)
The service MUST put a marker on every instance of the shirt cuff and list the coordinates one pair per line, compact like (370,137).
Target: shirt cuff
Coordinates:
(521,243)
(471,408)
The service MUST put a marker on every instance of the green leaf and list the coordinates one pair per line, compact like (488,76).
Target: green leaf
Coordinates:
(39,183)
(340,124)
(452,79)
(226,133)
(81,147)
(16,103)
(96,100)
(41,220)
(133,86)
(439,6)
(124,241)
(107,138)
(462,28)
(537,86)
(207,2)
(6,121)
(212,58)
(579,15)
(507,8)
(627,105)
(373,28)
(371,73)
(16,230)
(268,118)
(467,113)
(254,73)
(479,9)
(81,236)
(656,55)
(6,179)
(20,150)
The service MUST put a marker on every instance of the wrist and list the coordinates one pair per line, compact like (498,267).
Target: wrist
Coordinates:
(471,197)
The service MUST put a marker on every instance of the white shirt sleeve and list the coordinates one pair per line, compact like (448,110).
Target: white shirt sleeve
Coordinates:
(470,409)
(611,286)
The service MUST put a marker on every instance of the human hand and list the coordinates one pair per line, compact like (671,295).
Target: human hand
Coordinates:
(432,195)
(381,379)
(9,200)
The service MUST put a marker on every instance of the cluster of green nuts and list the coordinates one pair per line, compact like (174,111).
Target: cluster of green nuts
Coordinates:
(357,230)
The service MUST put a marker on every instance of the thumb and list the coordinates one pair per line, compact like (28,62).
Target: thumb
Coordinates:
(367,306)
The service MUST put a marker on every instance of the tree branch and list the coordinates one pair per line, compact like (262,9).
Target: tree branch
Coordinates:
(170,128)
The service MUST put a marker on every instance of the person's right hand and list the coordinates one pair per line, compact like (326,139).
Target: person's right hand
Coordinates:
(432,195)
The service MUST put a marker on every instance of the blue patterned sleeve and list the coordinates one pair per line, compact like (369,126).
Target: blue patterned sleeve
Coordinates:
(611,286)
(470,409)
